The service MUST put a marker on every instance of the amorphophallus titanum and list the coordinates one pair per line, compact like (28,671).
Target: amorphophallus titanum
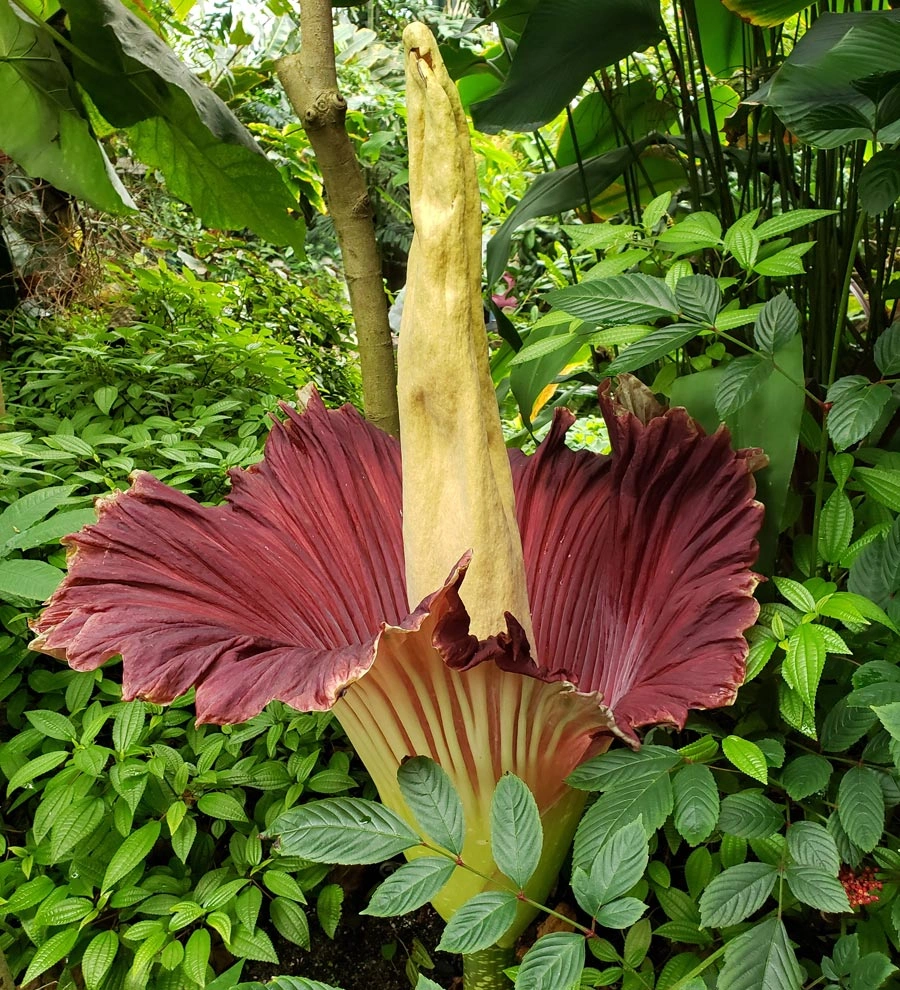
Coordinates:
(587,595)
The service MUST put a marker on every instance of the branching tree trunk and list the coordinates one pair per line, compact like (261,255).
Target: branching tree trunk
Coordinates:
(310,80)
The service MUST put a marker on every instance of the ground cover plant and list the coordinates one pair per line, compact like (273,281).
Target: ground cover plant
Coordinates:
(752,846)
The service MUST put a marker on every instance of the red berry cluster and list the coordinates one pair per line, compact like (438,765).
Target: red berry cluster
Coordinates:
(861,887)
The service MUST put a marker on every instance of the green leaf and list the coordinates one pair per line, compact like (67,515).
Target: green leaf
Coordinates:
(253,945)
(758,656)
(410,886)
(98,958)
(750,815)
(883,484)
(742,242)
(741,380)
(31,508)
(653,347)
(887,350)
(879,182)
(178,125)
(761,959)
(699,298)
(31,579)
(516,834)
(844,725)
(619,299)
(328,907)
(795,593)
(290,921)
(619,766)
(50,531)
(592,37)
(696,803)
(861,807)
(128,725)
(53,725)
(622,913)
(735,894)
(431,797)
(131,852)
(222,806)
(889,716)
(784,263)
(784,223)
(776,324)
(350,831)
(810,844)
(648,797)
(555,960)
(802,668)
(817,887)
(480,922)
(196,956)
(747,757)
(44,126)
(553,192)
(856,406)
(835,526)
(49,953)
(617,867)
(35,768)
(76,823)
(871,971)
(875,574)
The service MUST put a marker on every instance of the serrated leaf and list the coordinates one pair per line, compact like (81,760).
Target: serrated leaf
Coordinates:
(696,803)
(52,724)
(761,959)
(555,960)
(348,831)
(747,757)
(654,346)
(329,904)
(410,886)
(758,656)
(784,263)
(811,844)
(222,806)
(622,765)
(699,298)
(856,405)
(887,350)
(516,833)
(196,956)
(290,921)
(735,894)
(31,579)
(844,725)
(742,242)
(131,852)
(253,945)
(802,667)
(98,958)
(750,815)
(480,922)
(879,183)
(77,822)
(617,867)
(889,716)
(861,807)
(784,223)
(741,380)
(835,527)
(433,800)
(795,593)
(35,768)
(49,953)
(776,323)
(619,299)
(622,913)
(816,887)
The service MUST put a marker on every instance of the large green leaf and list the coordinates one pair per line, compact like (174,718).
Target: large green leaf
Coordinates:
(735,894)
(770,420)
(827,90)
(876,572)
(765,13)
(554,192)
(43,125)
(721,38)
(619,299)
(178,125)
(563,42)
(761,959)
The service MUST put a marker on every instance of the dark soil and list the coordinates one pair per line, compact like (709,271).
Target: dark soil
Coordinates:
(366,953)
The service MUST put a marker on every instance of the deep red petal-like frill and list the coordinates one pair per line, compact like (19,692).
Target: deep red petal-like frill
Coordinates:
(639,562)
(279,593)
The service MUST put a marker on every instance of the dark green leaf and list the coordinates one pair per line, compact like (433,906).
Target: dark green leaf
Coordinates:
(861,807)
(875,573)
(734,895)
(750,815)
(653,347)
(817,887)
(622,913)
(887,350)
(761,959)
(617,867)
(777,323)
(480,922)
(879,183)
(811,844)
(621,765)
(290,921)
(516,833)
(555,960)
(696,803)
(835,526)
(741,380)
(410,886)
(590,36)
(619,299)
(699,298)
(844,725)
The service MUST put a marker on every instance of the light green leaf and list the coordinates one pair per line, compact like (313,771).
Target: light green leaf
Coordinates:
(621,765)
(784,223)
(222,806)
(761,959)
(795,593)
(747,757)
(290,921)
(802,668)
(196,956)
(835,526)
(617,867)
(35,768)
(76,823)
(653,347)
(329,904)
(52,724)
(620,299)
(742,242)
(735,894)
(696,803)
(31,579)
(555,960)
(889,716)
(104,397)
(623,913)
(784,263)
(480,922)
(98,958)
(51,530)
(49,953)
(349,831)
(131,852)
(410,886)
(516,833)
(431,797)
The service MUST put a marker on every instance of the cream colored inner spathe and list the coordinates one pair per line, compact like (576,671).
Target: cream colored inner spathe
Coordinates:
(457,485)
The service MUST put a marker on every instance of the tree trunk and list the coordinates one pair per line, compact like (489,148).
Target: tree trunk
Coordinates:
(310,80)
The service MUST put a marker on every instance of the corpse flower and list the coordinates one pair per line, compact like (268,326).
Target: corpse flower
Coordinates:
(493,611)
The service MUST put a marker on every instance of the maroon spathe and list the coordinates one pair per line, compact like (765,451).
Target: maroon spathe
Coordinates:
(638,568)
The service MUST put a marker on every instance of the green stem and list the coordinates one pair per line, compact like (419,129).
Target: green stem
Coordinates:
(484,970)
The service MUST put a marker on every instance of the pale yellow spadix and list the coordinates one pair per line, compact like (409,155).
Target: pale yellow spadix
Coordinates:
(457,485)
